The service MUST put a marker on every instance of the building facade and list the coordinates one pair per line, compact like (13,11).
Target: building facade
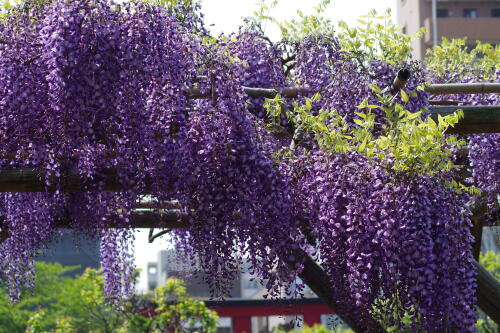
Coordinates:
(476,20)
(72,250)
(245,309)
(169,265)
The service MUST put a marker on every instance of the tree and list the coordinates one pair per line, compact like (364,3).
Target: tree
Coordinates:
(173,311)
(61,304)
(54,294)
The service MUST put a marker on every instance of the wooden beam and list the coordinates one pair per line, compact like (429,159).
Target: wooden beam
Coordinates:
(290,92)
(477,119)
(147,218)
(488,293)
(399,81)
(463,88)
(479,211)
(316,279)
(32,180)
(139,219)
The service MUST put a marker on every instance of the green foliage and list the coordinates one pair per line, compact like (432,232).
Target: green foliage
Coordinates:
(407,142)
(8,4)
(387,311)
(65,325)
(491,262)
(295,29)
(56,294)
(454,56)
(377,37)
(176,312)
(95,305)
(35,323)
(60,304)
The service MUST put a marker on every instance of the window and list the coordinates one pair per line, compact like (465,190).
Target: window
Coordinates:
(470,12)
(443,12)
(495,12)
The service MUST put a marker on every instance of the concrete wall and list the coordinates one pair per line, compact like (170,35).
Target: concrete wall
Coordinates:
(485,29)
(413,14)
(408,13)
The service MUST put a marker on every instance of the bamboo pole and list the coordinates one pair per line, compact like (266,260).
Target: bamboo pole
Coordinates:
(399,81)
(463,88)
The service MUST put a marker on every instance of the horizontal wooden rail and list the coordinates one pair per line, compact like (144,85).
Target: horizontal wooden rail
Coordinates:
(293,92)
(463,88)
(32,180)
(290,92)
(139,219)
(488,293)
(477,119)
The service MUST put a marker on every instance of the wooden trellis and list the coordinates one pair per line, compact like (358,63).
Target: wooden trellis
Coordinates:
(477,119)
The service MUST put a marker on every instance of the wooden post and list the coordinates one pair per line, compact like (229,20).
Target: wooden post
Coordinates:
(242,324)
(311,319)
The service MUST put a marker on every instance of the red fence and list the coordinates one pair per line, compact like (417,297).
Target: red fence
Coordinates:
(242,310)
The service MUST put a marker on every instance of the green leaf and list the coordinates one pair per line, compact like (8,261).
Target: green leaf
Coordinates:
(363,104)
(404,96)
(308,104)
(413,115)
(362,146)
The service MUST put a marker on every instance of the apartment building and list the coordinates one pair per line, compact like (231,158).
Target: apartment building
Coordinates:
(474,19)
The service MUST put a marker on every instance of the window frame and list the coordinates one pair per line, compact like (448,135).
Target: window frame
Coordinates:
(441,11)
(468,11)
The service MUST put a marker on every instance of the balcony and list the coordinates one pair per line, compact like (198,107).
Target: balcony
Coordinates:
(486,29)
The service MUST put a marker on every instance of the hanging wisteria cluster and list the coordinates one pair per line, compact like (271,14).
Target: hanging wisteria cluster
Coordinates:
(344,81)
(89,88)
(100,91)
(382,235)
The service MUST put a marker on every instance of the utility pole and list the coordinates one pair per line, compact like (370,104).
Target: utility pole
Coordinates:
(434,23)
